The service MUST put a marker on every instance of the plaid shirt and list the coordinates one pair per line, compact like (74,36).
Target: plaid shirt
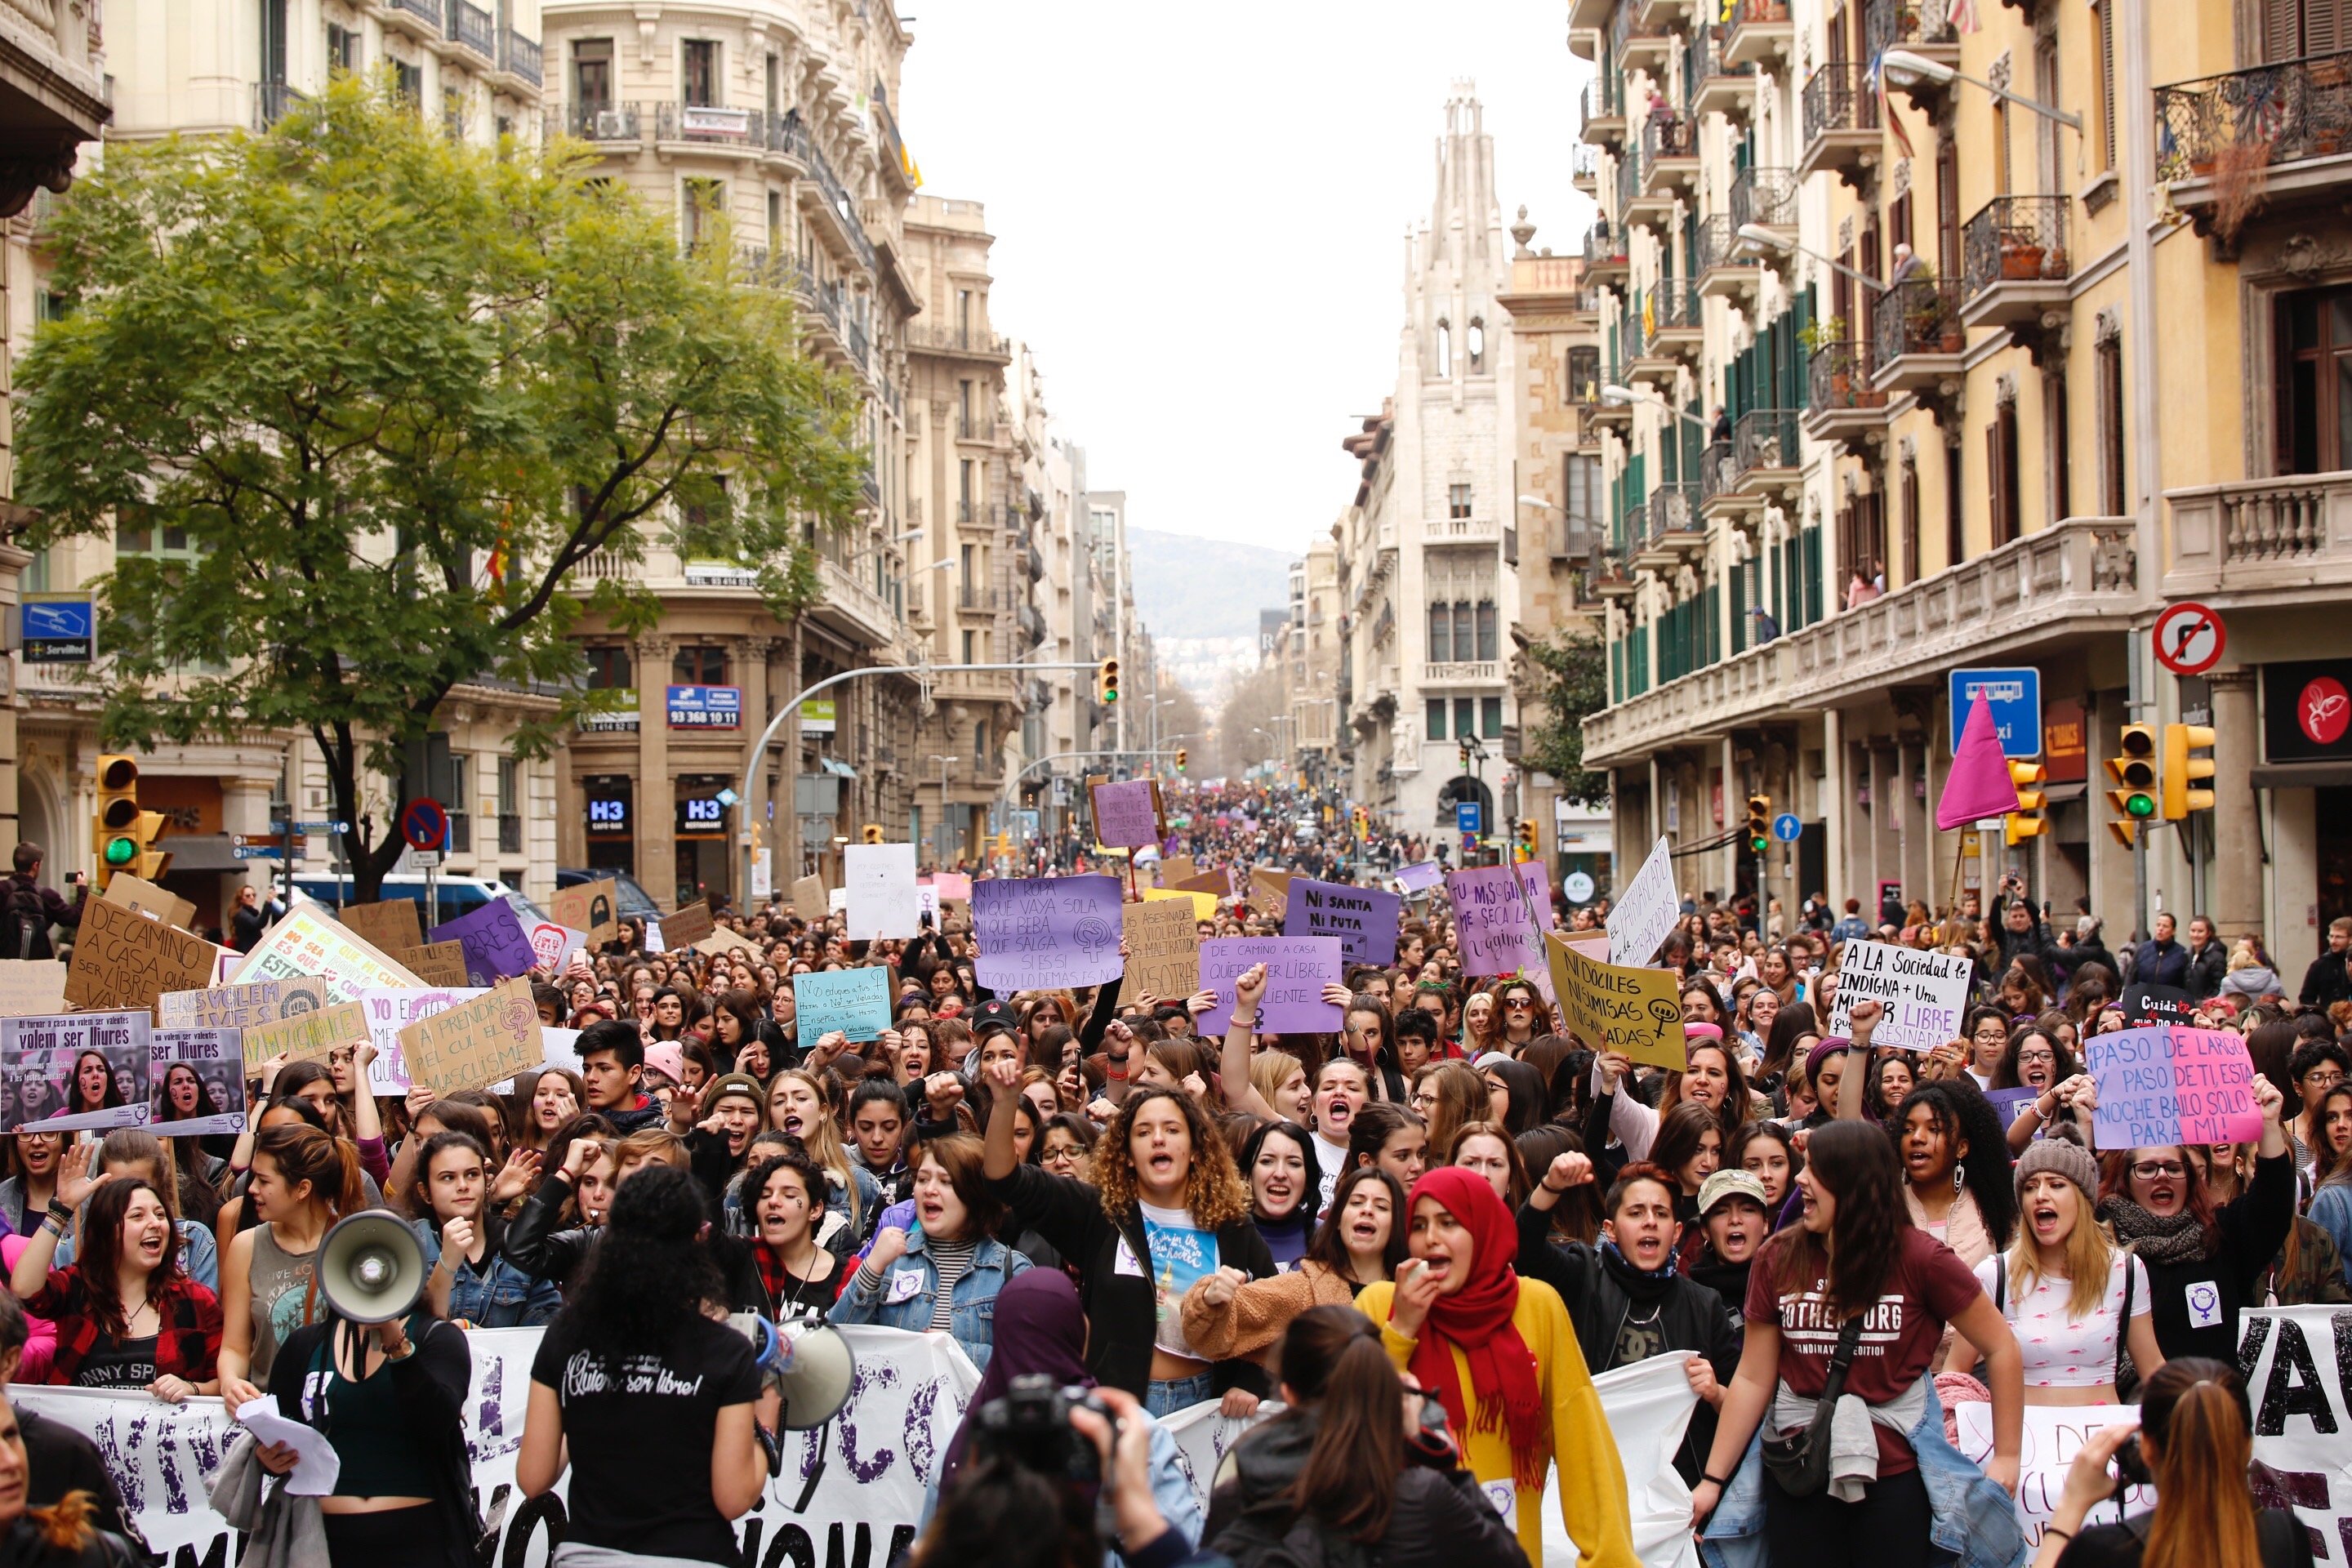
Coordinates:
(187,1346)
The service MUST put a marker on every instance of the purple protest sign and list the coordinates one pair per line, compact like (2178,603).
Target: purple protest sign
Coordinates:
(2166,1083)
(496,945)
(1363,918)
(1126,815)
(1042,933)
(1296,969)
(1420,877)
(1491,918)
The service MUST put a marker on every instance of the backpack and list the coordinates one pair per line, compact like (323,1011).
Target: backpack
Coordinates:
(24,923)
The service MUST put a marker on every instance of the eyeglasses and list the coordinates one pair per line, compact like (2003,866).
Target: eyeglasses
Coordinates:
(1521,1003)
(1421,1100)
(2037,1056)
(2149,1170)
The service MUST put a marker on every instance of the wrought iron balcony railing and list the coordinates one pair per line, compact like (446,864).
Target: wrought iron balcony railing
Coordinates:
(2015,239)
(2272,114)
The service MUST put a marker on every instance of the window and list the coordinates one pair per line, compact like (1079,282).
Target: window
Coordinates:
(2109,362)
(135,534)
(2293,28)
(2000,173)
(1955,538)
(1476,343)
(963,320)
(699,72)
(971,647)
(2056,433)
(342,49)
(774,84)
(1457,500)
(1437,718)
(699,211)
(1581,518)
(1898,222)
(2000,472)
(1441,634)
(461,820)
(1947,208)
(698,665)
(509,807)
(1462,642)
(2103,77)
(1486,629)
(1444,349)
(408,83)
(273,40)
(1490,718)
(453,112)
(2315,381)
(776,222)
(979,743)
(1466,718)
(609,668)
(1907,489)
(592,75)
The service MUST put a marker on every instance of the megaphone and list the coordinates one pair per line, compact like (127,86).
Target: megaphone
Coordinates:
(371,1266)
(809,1362)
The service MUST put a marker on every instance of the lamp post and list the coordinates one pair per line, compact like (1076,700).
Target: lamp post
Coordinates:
(1626,394)
(1756,236)
(1903,66)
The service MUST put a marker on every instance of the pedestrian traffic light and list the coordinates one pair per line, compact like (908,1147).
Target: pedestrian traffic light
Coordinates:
(2183,772)
(1107,682)
(873,833)
(117,824)
(1181,757)
(1759,822)
(2026,821)
(2135,771)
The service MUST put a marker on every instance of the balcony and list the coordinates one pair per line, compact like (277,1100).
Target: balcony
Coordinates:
(1460,531)
(711,125)
(2283,133)
(1918,336)
(979,600)
(959,341)
(2015,262)
(273,101)
(1758,32)
(1635,209)
(1669,154)
(1584,169)
(1613,576)
(1589,16)
(2263,542)
(1844,406)
(1711,83)
(1717,493)
(520,58)
(897,167)
(1725,268)
(1673,523)
(606,124)
(1639,42)
(1767,450)
(823,190)
(2065,583)
(968,429)
(418,18)
(1842,133)
(1921,29)
(1672,321)
(1461,672)
(1604,112)
(1596,410)
(1765,197)
(473,28)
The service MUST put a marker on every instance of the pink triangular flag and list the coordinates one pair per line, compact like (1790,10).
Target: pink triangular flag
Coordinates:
(1978,784)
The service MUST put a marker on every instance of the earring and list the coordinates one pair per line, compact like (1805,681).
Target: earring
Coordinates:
(1956,1183)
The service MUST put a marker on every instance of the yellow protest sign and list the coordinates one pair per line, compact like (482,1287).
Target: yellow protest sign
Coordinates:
(1611,1008)
(1204,905)
(306,1034)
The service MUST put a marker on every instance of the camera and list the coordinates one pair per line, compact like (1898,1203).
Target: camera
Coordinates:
(1030,1427)
(2131,1465)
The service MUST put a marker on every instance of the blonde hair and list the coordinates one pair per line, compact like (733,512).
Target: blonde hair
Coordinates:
(2090,1252)
(822,1139)
(1268,1070)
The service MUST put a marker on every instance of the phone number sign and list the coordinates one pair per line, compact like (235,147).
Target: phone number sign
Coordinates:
(705,707)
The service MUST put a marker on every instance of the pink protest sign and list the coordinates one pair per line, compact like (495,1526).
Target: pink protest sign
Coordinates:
(1126,815)
(1497,916)
(2165,1083)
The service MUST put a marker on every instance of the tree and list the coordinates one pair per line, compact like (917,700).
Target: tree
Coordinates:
(392,389)
(1253,703)
(1572,683)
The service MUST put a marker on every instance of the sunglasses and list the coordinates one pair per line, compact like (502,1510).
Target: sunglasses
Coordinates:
(1521,1003)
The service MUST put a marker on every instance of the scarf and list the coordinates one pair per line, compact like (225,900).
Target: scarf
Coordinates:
(2176,1239)
(1644,1287)
(1506,1385)
(1040,1328)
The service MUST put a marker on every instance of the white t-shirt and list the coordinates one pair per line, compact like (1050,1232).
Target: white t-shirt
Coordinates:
(1333,1159)
(2061,1350)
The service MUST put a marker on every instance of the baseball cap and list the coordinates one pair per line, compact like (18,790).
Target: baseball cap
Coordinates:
(1731,1184)
(990,1016)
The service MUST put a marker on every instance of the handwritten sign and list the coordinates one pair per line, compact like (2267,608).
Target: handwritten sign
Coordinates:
(881,888)
(31,988)
(241,1006)
(198,1082)
(436,963)
(1640,920)
(725,941)
(554,944)
(390,925)
(2167,1083)
(1611,1007)
(1420,877)
(496,946)
(1923,995)
(391,1011)
(1163,947)
(1204,905)
(1126,815)
(1494,913)
(689,924)
(1268,890)
(808,897)
(78,1069)
(142,897)
(1363,918)
(122,959)
(855,1001)
(592,907)
(1216,884)
(1040,934)
(307,942)
(491,1037)
(1175,868)
(305,1035)
(2144,1003)
(1296,969)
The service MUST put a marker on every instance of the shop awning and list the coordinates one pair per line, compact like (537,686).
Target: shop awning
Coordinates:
(2302,776)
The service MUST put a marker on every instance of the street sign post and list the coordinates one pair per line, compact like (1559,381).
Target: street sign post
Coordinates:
(1467,819)
(2015,698)
(2190,638)
(425,825)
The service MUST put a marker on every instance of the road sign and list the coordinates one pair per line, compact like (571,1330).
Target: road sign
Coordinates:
(322,828)
(425,859)
(1787,828)
(1467,819)
(424,824)
(2189,638)
(256,852)
(2015,698)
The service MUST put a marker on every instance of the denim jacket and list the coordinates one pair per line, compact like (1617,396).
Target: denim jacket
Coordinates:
(495,1294)
(892,1305)
(1976,1523)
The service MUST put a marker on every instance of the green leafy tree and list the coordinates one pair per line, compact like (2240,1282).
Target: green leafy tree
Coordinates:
(394,389)
(1572,683)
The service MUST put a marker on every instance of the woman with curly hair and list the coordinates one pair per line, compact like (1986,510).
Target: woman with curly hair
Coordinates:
(1165,1208)
(1956,1168)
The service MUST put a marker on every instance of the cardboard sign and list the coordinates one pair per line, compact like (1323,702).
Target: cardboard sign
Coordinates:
(241,1006)
(1216,884)
(1640,920)
(126,960)
(1611,1008)
(388,1013)
(31,988)
(1420,877)
(1041,933)
(881,888)
(436,963)
(2167,1083)
(1363,918)
(496,946)
(475,1043)
(2011,1103)
(391,925)
(1163,947)
(2157,1004)
(306,1034)
(687,924)
(1175,868)
(554,944)
(592,907)
(1268,890)
(1496,912)
(1296,969)
(855,1001)
(1923,995)
(146,898)
(1204,905)
(76,1070)
(1126,815)
(725,941)
(808,897)
(307,942)
(198,1087)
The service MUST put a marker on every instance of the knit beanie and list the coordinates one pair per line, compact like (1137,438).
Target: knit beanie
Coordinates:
(739,1085)
(2063,1155)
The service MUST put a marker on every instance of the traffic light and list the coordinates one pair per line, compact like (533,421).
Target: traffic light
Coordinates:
(1759,822)
(1527,837)
(1182,757)
(1463,750)
(1107,682)
(873,833)
(2135,771)
(2182,772)
(2026,821)
(117,834)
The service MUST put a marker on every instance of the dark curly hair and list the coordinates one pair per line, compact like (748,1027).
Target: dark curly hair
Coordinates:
(1963,1114)
(650,1272)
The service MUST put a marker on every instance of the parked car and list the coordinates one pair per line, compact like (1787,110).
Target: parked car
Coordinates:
(635,903)
(453,895)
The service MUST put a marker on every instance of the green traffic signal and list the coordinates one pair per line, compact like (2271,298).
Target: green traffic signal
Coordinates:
(122,852)
(2139,806)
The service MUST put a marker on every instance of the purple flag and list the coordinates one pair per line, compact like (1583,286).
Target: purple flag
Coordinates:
(496,945)
(1042,933)
(1296,969)
(1978,785)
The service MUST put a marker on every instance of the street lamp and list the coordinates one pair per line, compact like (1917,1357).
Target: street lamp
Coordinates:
(1756,236)
(1548,505)
(1902,66)
(1626,394)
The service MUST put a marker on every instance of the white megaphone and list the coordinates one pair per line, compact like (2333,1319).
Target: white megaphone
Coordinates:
(371,1266)
(811,1363)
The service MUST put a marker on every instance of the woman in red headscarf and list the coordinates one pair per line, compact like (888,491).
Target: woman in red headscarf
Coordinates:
(1500,1353)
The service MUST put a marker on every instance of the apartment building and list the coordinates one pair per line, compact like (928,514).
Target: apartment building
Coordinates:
(1313,643)
(2055,358)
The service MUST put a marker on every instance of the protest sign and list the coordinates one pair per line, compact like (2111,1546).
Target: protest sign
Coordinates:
(1923,995)
(1496,912)
(142,897)
(881,901)
(2053,1434)
(592,907)
(1175,868)
(436,963)
(240,1006)
(2011,1103)
(1216,884)
(953,886)
(725,941)
(1126,815)
(554,944)
(305,1035)
(808,896)
(1268,890)
(1203,905)
(307,942)
(1296,969)
(855,1001)
(389,1011)
(2167,1083)
(1163,947)
(1040,934)
(562,1047)
(493,1036)
(76,1069)
(1611,1007)
(1641,919)
(2157,1004)
(687,924)
(30,987)
(121,959)
(496,945)
(198,1082)
(1648,1408)
(1363,918)
(391,925)
(927,905)
(1420,877)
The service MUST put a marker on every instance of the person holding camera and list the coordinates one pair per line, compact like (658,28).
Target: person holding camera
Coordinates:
(1337,1465)
(2194,1442)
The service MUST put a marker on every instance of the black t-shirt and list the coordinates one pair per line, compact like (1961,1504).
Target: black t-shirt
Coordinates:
(640,1427)
(117,1363)
(2284,1541)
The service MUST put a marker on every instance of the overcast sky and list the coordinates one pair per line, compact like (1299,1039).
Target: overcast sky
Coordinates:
(1199,212)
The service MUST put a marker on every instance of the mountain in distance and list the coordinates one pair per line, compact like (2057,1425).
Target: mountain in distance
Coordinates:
(1200,600)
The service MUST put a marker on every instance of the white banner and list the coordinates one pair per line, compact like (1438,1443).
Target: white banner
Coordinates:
(2045,1453)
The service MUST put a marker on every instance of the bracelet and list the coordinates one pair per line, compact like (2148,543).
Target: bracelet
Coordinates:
(1561,1192)
(2061,1535)
(1238,1022)
(53,1224)
(61,1213)
(1715,1480)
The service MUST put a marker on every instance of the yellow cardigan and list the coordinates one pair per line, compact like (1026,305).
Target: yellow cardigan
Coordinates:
(1592,1500)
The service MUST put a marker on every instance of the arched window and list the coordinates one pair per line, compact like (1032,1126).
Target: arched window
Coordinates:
(1477,343)
(1444,349)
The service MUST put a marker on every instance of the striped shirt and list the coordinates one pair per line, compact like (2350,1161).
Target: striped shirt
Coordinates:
(953,1259)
